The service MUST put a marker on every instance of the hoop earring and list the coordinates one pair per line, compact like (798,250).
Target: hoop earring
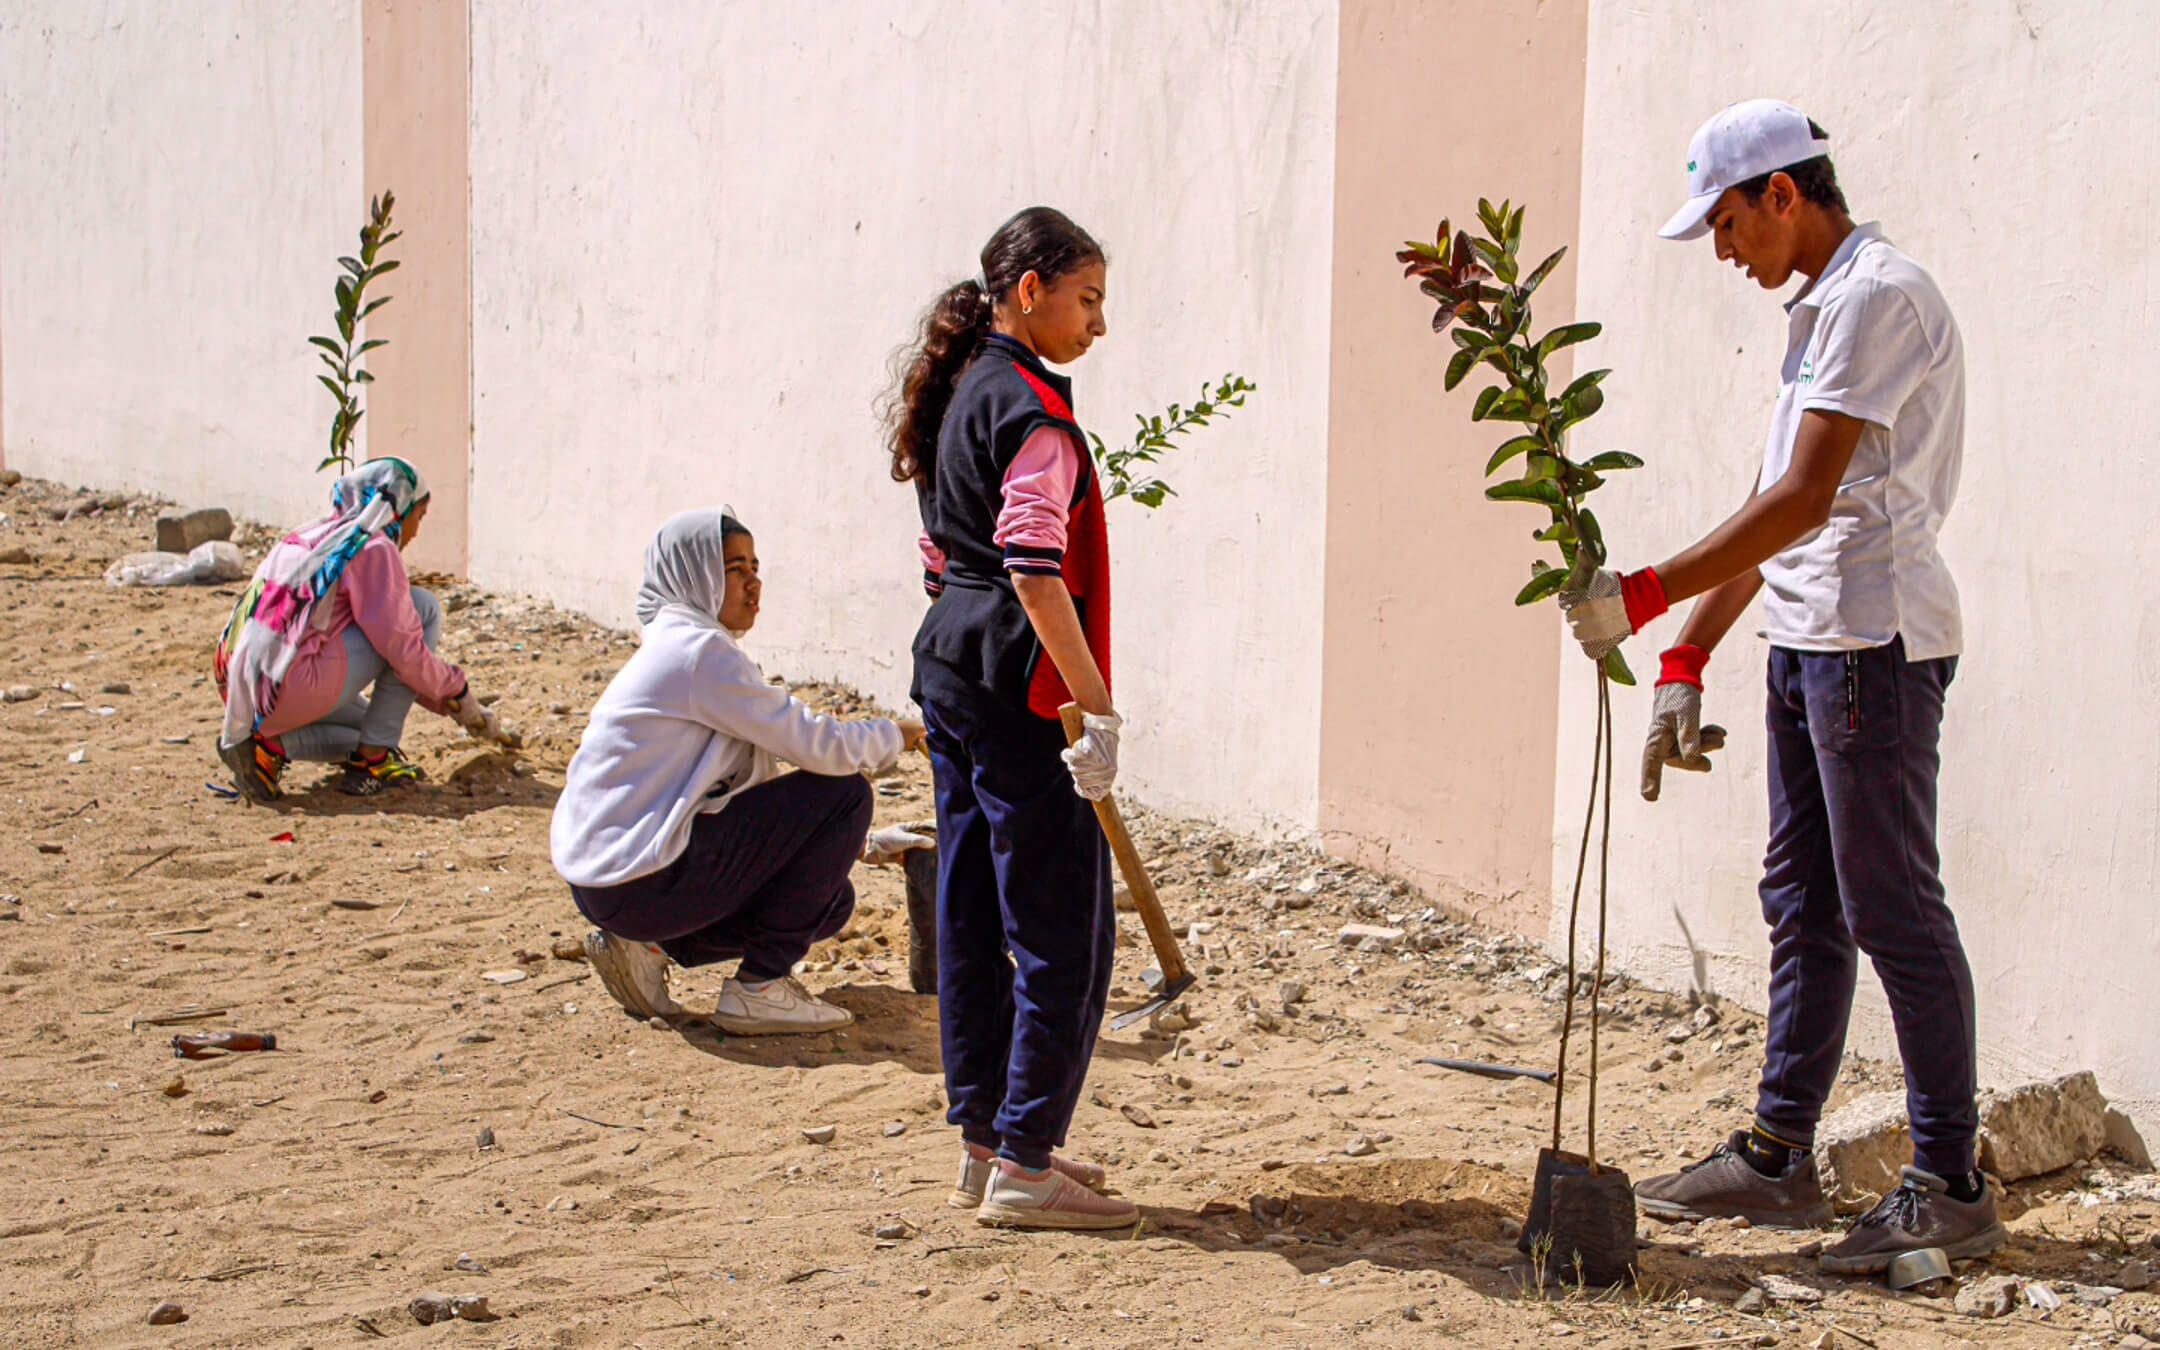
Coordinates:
(1027,309)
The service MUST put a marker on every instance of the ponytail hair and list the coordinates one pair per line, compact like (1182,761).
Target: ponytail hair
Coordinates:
(1038,240)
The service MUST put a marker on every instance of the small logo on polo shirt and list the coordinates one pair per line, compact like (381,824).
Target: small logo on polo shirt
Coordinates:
(1807,371)
(1691,166)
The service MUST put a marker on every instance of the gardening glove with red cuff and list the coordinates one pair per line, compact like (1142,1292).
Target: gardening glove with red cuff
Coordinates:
(1610,608)
(1677,738)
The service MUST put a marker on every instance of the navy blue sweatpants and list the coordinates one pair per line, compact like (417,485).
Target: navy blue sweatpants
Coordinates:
(1025,925)
(763,878)
(1852,867)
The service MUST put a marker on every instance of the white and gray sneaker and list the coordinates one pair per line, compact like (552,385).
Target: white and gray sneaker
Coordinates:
(774,1008)
(634,972)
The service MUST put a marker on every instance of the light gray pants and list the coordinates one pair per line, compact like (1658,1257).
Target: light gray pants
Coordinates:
(361,718)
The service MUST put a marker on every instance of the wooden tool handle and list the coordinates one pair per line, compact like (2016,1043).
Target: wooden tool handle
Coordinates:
(1167,956)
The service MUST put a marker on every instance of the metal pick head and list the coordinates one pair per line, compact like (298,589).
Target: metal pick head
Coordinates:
(1152,978)
(1164,998)
(1909,1270)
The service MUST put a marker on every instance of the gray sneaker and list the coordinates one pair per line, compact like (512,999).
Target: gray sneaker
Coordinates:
(1725,1186)
(1920,1213)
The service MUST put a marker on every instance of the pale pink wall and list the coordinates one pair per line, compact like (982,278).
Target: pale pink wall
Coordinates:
(3,386)
(1437,700)
(416,77)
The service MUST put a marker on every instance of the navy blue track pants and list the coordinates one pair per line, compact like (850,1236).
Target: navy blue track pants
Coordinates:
(1853,867)
(1026,930)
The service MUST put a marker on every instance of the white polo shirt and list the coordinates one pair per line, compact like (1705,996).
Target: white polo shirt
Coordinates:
(1873,339)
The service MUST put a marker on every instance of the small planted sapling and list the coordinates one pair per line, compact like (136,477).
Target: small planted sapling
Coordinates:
(1583,1212)
(1485,306)
(1128,471)
(342,353)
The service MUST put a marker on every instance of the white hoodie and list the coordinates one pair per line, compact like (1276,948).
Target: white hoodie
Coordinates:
(685,725)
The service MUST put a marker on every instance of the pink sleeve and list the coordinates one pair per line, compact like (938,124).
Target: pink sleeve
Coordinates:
(1038,497)
(381,600)
(933,564)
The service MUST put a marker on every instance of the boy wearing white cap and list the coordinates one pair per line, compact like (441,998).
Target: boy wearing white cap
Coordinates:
(1860,468)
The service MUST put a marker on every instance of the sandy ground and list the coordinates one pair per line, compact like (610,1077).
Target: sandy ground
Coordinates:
(655,1187)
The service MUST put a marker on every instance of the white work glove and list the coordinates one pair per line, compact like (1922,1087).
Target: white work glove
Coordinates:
(1596,614)
(1093,758)
(1677,736)
(479,721)
(889,845)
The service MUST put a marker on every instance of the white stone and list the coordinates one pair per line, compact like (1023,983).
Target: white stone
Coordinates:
(1369,937)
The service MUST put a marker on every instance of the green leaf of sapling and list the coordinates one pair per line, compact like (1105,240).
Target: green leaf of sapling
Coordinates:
(1567,335)
(1588,380)
(1544,583)
(1509,449)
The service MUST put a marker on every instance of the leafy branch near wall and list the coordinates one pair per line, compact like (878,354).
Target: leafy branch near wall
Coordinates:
(1128,470)
(342,354)
(1484,298)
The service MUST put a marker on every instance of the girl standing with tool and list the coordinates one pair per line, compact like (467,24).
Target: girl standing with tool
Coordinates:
(1019,571)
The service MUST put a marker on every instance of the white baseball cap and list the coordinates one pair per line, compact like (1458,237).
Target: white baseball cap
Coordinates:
(1745,141)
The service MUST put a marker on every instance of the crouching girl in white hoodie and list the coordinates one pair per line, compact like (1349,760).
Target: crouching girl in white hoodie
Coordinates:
(679,836)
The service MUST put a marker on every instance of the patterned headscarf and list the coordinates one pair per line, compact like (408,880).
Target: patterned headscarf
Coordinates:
(275,612)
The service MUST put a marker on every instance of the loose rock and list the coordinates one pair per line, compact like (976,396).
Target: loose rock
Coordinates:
(167,1314)
(1138,1115)
(1360,1147)
(895,1129)
(487,1138)
(1992,1297)
(1786,1289)
(821,1134)
(1369,937)
(1752,1302)
(427,1309)
(181,531)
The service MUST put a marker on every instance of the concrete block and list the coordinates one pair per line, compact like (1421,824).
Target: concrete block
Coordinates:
(2124,1138)
(182,531)
(1861,1148)
(2036,1128)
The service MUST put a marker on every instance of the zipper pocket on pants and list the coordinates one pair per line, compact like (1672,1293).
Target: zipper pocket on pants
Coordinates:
(1852,691)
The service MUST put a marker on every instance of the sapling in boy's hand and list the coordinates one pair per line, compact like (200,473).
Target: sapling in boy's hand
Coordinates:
(1485,299)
